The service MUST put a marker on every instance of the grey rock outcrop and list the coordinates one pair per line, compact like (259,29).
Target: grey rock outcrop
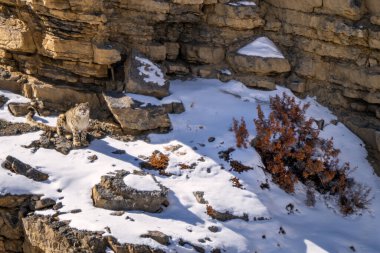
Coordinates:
(112,193)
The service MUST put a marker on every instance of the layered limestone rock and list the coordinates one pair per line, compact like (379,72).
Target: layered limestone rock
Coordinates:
(12,209)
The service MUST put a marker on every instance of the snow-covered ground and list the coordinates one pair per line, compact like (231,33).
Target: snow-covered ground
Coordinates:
(210,106)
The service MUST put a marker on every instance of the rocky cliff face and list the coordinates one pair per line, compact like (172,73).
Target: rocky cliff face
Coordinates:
(52,49)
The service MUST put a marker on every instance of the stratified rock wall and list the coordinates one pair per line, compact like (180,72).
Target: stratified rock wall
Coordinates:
(78,49)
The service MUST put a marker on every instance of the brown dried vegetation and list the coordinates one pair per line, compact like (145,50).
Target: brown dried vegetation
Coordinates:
(236,182)
(292,151)
(158,160)
(241,132)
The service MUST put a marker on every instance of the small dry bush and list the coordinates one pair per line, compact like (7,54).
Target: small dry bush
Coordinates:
(158,160)
(236,182)
(241,132)
(292,151)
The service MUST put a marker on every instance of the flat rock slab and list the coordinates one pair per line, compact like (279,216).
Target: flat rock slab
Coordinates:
(18,109)
(130,191)
(144,77)
(18,167)
(158,236)
(135,116)
(257,65)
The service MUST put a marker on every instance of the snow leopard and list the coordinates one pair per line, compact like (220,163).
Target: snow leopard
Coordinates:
(75,121)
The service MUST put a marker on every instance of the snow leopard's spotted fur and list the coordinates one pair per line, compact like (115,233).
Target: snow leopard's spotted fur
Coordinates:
(75,121)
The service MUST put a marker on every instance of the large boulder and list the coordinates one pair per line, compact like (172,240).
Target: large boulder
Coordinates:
(130,191)
(136,116)
(142,76)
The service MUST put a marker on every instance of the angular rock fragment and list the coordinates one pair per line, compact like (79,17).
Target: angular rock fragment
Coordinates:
(142,76)
(24,169)
(158,236)
(129,191)
(18,109)
(135,116)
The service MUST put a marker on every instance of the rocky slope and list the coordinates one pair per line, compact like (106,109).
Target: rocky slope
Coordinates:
(69,47)
(92,50)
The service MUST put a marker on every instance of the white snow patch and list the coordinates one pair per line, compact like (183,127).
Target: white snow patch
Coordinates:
(242,3)
(151,72)
(226,72)
(141,183)
(313,248)
(261,47)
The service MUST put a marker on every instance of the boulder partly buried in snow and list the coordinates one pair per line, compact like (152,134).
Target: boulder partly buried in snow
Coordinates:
(130,191)
(134,116)
(18,167)
(260,57)
(142,76)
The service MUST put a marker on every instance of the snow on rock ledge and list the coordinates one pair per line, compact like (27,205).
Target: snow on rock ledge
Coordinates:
(123,191)
(259,57)
(261,47)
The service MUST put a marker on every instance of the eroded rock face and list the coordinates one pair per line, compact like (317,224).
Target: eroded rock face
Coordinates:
(118,193)
(12,209)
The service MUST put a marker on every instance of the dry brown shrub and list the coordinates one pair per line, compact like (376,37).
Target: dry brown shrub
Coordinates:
(241,132)
(236,182)
(210,211)
(158,160)
(292,151)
